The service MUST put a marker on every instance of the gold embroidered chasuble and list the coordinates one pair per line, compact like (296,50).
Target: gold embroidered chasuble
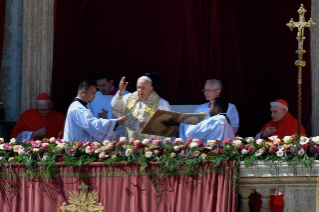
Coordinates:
(132,127)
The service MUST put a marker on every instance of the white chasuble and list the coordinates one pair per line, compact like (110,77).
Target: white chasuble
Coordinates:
(137,112)
(81,125)
(214,128)
(231,113)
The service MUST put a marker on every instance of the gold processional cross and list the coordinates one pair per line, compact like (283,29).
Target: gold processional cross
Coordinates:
(301,24)
(82,202)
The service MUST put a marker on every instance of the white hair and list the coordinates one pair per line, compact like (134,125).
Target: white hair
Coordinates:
(279,105)
(217,83)
(144,78)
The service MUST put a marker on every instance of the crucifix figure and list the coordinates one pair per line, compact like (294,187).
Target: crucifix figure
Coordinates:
(301,24)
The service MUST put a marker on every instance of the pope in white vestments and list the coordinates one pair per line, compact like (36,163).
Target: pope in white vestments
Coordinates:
(212,90)
(138,107)
(81,125)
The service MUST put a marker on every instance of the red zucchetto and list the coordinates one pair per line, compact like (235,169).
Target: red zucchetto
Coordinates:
(43,96)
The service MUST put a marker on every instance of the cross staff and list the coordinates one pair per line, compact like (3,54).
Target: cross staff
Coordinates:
(301,24)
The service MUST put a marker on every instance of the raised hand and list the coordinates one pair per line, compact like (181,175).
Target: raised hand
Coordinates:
(122,86)
(103,115)
(40,133)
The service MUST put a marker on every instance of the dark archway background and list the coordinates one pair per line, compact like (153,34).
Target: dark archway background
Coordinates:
(2,16)
(245,44)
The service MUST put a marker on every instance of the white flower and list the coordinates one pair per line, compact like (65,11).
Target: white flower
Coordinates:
(21,152)
(52,140)
(1,140)
(1,146)
(301,152)
(173,155)
(315,140)
(287,139)
(123,139)
(145,141)
(273,137)
(148,154)
(1,158)
(11,159)
(128,152)
(177,148)
(12,141)
(96,151)
(167,141)
(260,141)
(280,153)
(193,144)
(45,156)
(250,140)
(259,152)
(211,142)
(244,151)
(106,142)
(304,140)
(179,139)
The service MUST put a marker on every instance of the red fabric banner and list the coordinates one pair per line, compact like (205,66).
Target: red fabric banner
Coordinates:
(2,16)
(122,188)
(245,44)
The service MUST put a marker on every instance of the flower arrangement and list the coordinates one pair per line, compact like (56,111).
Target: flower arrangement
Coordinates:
(165,153)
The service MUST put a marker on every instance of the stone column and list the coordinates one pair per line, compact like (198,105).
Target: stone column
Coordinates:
(11,69)
(315,69)
(37,50)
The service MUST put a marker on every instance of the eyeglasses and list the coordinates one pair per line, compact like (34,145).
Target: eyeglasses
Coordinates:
(208,90)
(91,92)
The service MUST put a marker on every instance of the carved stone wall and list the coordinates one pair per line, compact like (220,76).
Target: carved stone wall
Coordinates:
(11,66)
(37,50)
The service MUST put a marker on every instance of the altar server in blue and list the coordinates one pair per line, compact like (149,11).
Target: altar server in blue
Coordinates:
(212,89)
(216,127)
(81,125)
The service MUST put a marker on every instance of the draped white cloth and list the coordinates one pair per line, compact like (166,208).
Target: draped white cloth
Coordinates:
(231,113)
(213,128)
(119,104)
(102,102)
(81,125)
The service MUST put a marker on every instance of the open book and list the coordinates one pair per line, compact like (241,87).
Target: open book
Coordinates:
(155,127)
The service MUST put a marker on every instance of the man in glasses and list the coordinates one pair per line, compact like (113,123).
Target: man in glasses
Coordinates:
(101,105)
(212,89)
(43,122)
(81,125)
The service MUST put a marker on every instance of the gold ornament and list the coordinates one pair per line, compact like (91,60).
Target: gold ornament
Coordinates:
(82,202)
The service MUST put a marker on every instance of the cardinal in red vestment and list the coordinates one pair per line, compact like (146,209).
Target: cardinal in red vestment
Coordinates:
(282,123)
(43,122)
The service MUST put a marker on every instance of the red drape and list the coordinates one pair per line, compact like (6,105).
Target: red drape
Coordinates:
(2,12)
(245,44)
(123,188)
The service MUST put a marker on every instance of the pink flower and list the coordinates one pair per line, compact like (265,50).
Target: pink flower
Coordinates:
(44,146)
(305,147)
(120,143)
(200,143)
(157,142)
(250,148)
(186,145)
(219,151)
(272,149)
(79,144)
(276,141)
(88,150)
(87,143)
(189,140)
(227,141)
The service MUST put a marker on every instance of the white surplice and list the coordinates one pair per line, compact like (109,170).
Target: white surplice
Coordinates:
(231,113)
(119,104)
(102,102)
(81,125)
(213,128)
